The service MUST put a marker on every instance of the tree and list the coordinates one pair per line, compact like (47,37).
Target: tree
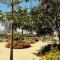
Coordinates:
(12,3)
(52,9)
(49,11)
(21,19)
(38,18)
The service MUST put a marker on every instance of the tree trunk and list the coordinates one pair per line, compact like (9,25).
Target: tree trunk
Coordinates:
(11,47)
(22,31)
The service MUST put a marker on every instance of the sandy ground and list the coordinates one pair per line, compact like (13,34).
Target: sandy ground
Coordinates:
(21,54)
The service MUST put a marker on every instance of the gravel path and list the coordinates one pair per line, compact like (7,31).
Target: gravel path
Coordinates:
(21,54)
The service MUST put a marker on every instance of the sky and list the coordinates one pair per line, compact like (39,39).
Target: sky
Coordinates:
(5,8)
(2,27)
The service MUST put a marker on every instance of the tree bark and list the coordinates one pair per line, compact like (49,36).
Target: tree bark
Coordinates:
(22,31)
(11,46)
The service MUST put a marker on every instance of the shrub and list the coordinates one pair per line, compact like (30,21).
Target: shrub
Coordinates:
(1,40)
(16,38)
(36,40)
(16,34)
(32,41)
(52,55)
(21,38)
(48,48)
(8,45)
(5,40)
(18,44)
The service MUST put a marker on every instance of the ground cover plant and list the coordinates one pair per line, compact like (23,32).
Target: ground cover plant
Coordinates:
(47,49)
(22,43)
(18,44)
(52,55)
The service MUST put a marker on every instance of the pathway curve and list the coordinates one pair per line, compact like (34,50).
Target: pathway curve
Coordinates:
(21,54)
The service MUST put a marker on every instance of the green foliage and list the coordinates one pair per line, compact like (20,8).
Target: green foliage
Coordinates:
(52,55)
(46,49)
(15,34)
(1,0)
(38,17)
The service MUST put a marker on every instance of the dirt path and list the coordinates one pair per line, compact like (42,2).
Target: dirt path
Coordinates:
(21,54)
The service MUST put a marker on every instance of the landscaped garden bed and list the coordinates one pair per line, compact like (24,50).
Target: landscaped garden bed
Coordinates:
(19,44)
(48,48)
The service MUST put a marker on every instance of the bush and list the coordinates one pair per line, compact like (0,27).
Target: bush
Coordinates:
(16,34)
(18,44)
(21,38)
(8,45)
(36,40)
(5,40)
(48,48)
(44,50)
(1,40)
(17,38)
(52,55)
